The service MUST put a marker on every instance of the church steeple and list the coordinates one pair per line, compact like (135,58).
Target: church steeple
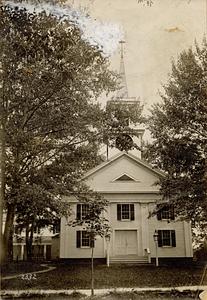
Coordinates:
(122,93)
(125,140)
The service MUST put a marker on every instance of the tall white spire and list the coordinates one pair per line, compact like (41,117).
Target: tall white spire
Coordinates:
(122,93)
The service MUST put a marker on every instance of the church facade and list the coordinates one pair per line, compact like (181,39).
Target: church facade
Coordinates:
(128,184)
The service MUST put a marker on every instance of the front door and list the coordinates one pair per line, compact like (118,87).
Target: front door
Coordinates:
(126,242)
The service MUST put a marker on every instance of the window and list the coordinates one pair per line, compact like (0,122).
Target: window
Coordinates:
(56,227)
(83,240)
(165,212)
(82,211)
(125,212)
(166,238)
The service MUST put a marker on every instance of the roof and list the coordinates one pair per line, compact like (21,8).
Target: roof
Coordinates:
(128,155)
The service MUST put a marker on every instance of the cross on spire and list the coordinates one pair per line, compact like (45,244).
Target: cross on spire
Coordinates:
(123,91)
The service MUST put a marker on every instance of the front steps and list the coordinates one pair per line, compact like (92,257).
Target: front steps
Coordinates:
(129,259)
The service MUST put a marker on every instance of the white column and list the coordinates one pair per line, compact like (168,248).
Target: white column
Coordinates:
(144,227)
(22,252)
(45,251)
(187,239)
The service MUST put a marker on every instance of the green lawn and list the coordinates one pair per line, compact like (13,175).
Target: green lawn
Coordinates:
(78,276)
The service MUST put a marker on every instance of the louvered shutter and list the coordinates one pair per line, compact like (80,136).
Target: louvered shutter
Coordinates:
(173,238)
(132,212)
(119,212)
(159,238)
(78,212)
(159,214)
(78,239)
(172,214)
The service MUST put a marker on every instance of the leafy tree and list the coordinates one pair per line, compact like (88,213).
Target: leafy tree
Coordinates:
(94,222)
(50,78)
(178,126)
(40,203)
(51,124)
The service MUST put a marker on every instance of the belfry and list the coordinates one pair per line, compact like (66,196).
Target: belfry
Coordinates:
(122,98)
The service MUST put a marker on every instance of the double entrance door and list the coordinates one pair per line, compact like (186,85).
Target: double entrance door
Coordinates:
(125,242)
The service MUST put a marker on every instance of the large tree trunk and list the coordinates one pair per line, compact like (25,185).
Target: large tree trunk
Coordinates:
(8,232)
(2,189)
(92,273)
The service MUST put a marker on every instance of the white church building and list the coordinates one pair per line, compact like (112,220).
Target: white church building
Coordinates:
(128,183)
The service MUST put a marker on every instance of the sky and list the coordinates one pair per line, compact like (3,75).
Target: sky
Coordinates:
(154,36)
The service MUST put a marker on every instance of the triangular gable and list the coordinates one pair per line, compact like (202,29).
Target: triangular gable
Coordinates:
(135,176)
(122,154)
(124,177)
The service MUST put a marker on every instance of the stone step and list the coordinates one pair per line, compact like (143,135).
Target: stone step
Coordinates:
(128,260)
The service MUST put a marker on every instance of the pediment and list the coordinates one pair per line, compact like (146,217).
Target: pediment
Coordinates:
(123,174)
(124,177)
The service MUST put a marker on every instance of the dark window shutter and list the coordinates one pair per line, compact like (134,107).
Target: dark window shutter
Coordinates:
(159,213)
(173,238)
(78,212)
(132,212)
(78,239)
(58,226)
(159,238)
(172,214)
(119,212)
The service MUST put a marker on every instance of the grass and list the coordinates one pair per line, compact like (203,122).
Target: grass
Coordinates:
(71,276)
(113,296)
(20,267)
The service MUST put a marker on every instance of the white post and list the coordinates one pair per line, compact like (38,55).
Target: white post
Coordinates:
(155,236)
(107,251)
(108,254)
(157,262)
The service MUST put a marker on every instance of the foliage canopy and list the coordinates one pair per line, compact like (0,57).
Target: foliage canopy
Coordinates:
(179,128)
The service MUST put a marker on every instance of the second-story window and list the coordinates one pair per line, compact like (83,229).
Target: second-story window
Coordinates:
(56,227)
(82,211)
(125,212)
(165,212)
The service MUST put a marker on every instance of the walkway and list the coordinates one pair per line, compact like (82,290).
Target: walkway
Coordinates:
(100,292)
(35,272)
